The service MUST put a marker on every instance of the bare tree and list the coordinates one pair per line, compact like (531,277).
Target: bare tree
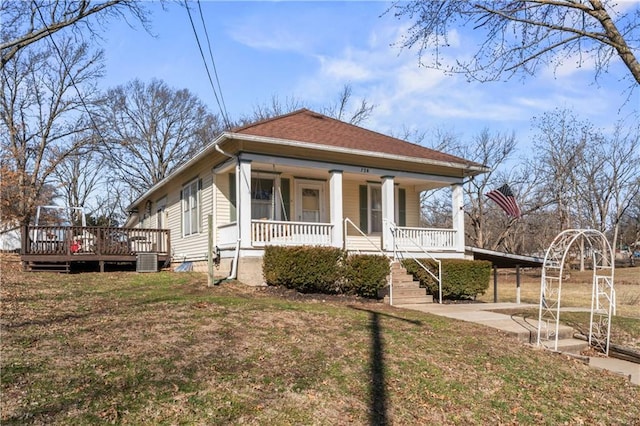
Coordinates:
(151,129)
(523,35)
(43,106)
(341,109)
(493,151)
(78,179)
(487,226)
(560,146)
(630,225)
(271,109)
(26,22)
(590,179)
(609,179)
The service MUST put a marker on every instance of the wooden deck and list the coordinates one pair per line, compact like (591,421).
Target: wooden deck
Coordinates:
(59,247)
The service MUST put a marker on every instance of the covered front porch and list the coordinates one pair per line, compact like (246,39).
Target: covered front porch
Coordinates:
(292,202)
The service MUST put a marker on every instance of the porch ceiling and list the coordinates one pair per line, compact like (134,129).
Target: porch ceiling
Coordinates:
(322,173)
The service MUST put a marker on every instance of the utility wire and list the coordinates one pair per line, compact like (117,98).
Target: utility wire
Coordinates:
(213,62)
(215,93)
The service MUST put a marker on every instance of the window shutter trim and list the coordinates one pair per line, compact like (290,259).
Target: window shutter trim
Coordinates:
(364,213)
(285,191)
(402,207)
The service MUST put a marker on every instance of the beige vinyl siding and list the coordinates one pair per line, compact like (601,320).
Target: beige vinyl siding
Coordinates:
(223,203)
(190,247)
(351,203)
(413,206)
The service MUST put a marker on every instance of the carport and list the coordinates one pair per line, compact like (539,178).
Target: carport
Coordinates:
(504,260)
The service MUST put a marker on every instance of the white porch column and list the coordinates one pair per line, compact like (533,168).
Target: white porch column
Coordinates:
(335,207)
(457,207)
(388,212)
(243,204)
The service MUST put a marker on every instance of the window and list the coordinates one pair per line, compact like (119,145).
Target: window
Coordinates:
(262,201)
(190,207)
(371,207)
(375,208)
(270,198)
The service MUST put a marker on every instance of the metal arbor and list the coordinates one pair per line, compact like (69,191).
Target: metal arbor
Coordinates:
(587,242)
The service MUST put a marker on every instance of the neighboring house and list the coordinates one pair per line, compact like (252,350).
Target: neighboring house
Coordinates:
(10,240)
(304,179)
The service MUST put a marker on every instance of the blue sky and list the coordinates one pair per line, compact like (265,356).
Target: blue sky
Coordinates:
(310,50)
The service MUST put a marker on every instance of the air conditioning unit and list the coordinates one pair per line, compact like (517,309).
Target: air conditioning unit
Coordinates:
(147,262)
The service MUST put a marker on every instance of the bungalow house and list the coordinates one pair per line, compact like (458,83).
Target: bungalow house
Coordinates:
(304,179)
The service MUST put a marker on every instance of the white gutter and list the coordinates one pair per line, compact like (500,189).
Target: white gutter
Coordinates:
(234,268)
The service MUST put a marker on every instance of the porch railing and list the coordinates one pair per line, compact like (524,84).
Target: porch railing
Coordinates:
(428,238)
(79,240)
(271,232)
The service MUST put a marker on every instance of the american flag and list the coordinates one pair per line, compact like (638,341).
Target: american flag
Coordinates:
(505,199)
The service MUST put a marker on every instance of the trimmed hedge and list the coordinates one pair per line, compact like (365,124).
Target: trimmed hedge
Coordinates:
(366,274)
(325,270)
(461,279)
(306,269)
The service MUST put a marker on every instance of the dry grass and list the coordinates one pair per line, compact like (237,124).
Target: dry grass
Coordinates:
(576,289)
(163,348)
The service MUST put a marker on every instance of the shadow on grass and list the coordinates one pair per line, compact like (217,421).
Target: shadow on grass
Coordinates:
(377,386)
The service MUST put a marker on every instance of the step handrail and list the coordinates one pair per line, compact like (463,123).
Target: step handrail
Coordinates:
(395,230)
(348,221)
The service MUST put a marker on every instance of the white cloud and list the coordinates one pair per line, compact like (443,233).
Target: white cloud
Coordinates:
(267,39)
(345,69)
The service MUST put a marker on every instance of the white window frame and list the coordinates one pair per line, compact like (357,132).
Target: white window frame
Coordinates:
(275,202)
(190,208)
(320,185)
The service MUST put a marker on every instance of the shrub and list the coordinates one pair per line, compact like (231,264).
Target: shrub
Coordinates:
(366,274)
(460,278)
(306,269)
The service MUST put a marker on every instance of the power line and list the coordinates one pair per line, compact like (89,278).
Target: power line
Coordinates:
(215,93)
(213,62)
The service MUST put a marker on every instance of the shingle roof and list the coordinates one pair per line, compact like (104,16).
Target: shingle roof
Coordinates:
(308,126)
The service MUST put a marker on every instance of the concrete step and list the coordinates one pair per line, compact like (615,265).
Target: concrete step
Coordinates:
(408,292)
(405,284)
(564,331)
(425,298)
(571,345)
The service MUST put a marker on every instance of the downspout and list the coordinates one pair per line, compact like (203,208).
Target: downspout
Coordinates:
(234,267)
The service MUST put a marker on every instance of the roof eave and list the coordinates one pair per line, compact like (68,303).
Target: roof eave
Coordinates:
(468,169)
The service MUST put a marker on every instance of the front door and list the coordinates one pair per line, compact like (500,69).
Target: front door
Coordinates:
(310,201)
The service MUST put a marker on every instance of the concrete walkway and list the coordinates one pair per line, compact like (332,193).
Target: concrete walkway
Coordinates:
(524,330)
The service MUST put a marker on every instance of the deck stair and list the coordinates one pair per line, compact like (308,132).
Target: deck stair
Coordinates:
(406,291)
(62,267)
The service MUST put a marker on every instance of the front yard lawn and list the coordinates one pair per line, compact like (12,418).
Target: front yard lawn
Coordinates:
(163,348)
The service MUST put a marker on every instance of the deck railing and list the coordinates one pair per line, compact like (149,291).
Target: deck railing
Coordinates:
(79,240)
(429,238)
(271,232)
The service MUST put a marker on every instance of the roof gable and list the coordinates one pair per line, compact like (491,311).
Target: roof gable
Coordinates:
(308,126)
